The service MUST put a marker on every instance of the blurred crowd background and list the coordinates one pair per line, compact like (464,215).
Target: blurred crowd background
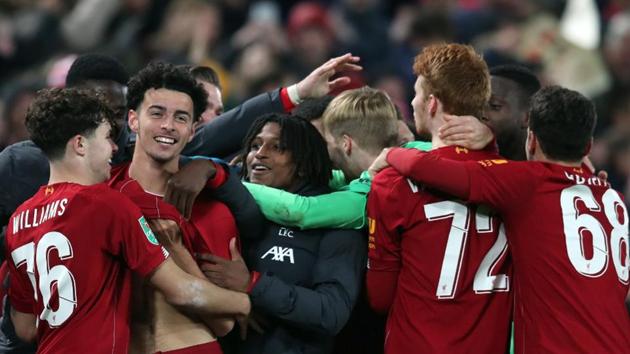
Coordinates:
(256,46)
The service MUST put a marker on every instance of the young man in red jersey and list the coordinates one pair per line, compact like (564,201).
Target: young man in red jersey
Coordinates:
(165,102)
(438,265)
(72,245)
(567,229)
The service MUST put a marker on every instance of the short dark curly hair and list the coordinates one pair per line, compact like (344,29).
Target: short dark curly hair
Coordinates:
(56,115)
(96,67)
(299,137)
(159,75)
(563,121)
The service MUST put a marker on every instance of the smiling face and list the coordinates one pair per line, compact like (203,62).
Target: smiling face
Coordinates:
(267,163)
(164,124)
(99,150)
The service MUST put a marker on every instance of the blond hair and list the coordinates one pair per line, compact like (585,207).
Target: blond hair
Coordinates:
(367,115)
(455,74)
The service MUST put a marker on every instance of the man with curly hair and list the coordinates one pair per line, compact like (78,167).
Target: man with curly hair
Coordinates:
(72,245)
(164,104)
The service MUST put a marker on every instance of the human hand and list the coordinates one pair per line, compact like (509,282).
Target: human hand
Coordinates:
(318,84)
(379,163)
(230,274)
(184,186)
(166,231)
(466,131)
(602,174)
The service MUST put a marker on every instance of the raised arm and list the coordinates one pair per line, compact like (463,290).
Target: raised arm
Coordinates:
(223,136)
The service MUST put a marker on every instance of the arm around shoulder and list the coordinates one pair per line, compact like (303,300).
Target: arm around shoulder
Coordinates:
(342,209)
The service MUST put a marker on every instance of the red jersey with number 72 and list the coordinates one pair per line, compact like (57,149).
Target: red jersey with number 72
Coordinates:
(70,249)
(454,278)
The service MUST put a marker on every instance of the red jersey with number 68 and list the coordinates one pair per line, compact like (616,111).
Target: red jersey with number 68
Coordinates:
(568,235)
(454,278)
(568,232)
(70,249)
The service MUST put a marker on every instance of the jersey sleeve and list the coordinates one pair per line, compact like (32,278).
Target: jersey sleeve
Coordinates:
(131,237)
(338,180)
(497,182)
(384,249)
(342,209)
(21,292)
(501,184)
(383,220)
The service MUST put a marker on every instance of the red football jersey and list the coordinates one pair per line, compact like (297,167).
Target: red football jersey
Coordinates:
(211,226)
(568,232)
(568,235)
(453,288)
(70,249)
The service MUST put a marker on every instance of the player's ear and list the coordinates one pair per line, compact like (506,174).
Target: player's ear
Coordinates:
(346,144)
(525,121)
(434,106)
(587,150)
(531,144)
(77,144)
(132,120)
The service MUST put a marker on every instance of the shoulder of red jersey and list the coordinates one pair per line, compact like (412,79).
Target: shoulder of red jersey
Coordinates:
(207,206)
(119,175)
(102,195)
(386,178)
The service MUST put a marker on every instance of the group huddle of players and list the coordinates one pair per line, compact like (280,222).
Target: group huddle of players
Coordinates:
(468,245)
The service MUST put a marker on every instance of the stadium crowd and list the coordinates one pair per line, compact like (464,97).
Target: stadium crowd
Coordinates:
(188,176)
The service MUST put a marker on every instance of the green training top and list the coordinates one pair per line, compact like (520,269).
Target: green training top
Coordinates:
(344,208)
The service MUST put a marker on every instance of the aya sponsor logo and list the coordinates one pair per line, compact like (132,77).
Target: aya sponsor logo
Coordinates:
(278,254)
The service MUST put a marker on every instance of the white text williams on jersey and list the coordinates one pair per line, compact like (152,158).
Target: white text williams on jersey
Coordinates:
(37,216)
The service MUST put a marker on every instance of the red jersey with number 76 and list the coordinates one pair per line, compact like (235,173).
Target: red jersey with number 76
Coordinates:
(454,275)
(70,250)
(568,234)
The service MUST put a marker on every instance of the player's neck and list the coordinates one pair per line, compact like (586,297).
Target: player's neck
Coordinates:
(363,159)
(150,174)
(436,142)
(436,123)
(543,158)
(61,172)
